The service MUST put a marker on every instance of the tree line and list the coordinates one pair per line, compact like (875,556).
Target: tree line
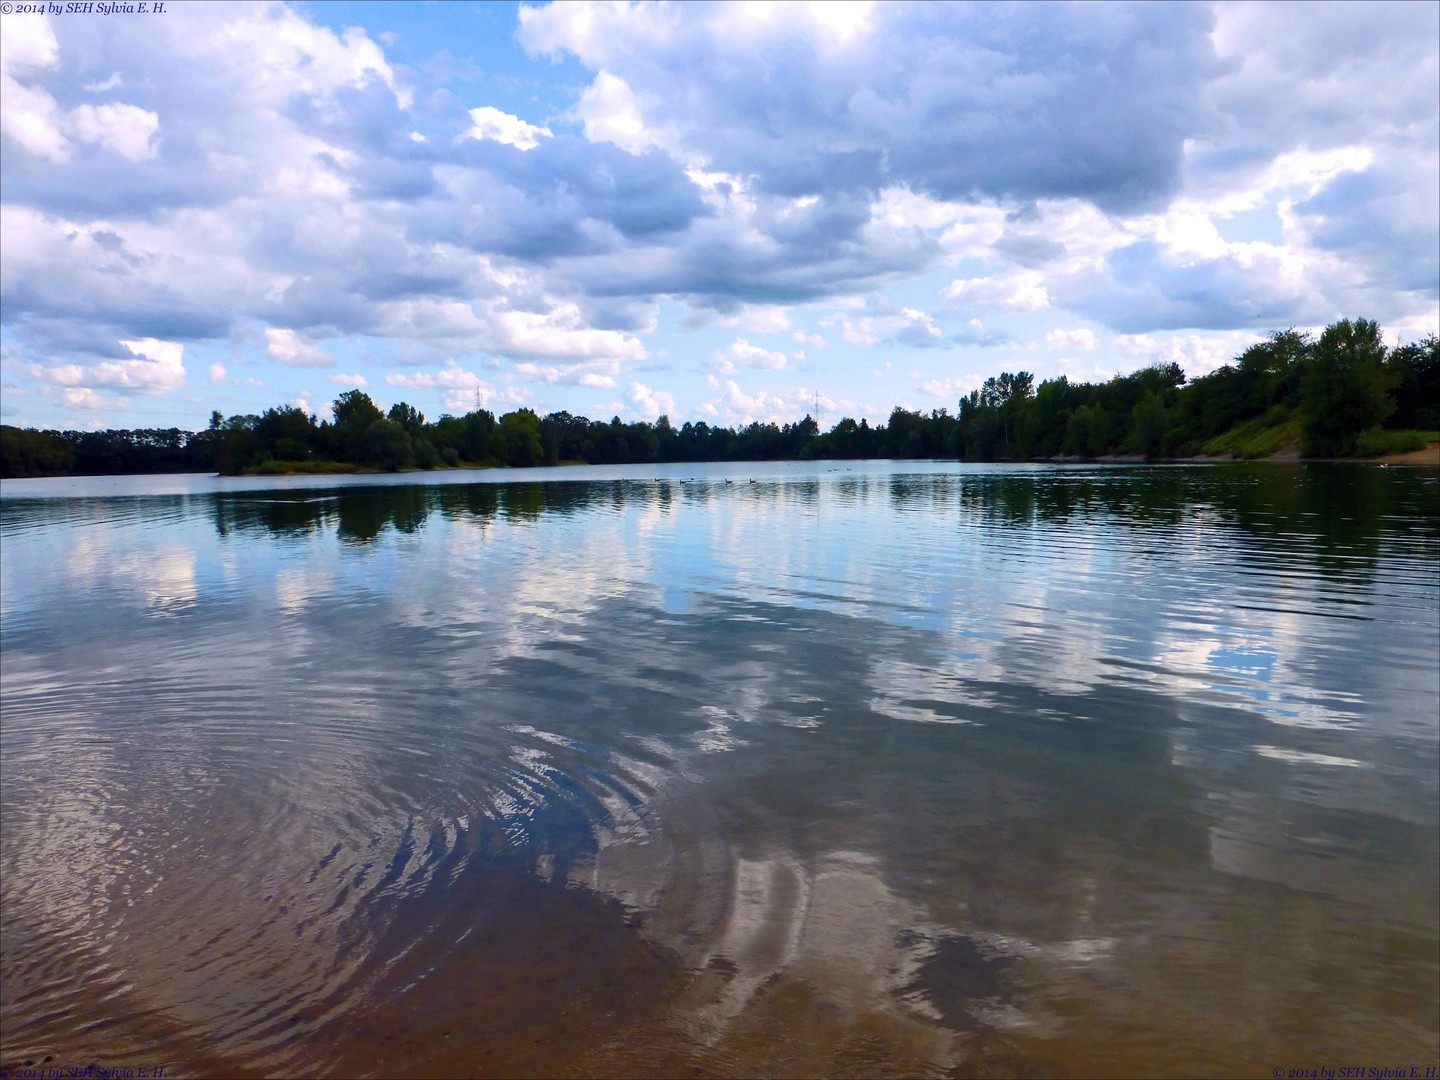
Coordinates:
(1341,394)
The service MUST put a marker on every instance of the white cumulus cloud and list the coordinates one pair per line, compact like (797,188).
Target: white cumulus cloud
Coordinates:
(291,349)
(601,375)
(561,333)
(649,404)
(154,367)
(1195,353)
(743,354)
(1071,339)
(951,389)
(491,123)
(28,114)
(1014,290)
(82,397)
(128,130)
(461,390)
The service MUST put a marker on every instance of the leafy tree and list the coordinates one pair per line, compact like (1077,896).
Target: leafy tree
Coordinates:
(355,414)
(1345,388)
(285,433)
(355,409)
(1088,431)
(387,445)
(520,431)
(408,417)
(1013,393)
(26,452)
(1270,371)
(1416,371)
(1149,422)
(465,436)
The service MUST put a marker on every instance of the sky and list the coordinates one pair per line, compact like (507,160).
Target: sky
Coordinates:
(735,212)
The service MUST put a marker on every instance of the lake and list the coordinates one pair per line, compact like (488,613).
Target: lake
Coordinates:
(786,769)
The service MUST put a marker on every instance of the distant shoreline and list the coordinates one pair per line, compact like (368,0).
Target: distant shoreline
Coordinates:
(1289,455)
(1428,456)
(1345,395)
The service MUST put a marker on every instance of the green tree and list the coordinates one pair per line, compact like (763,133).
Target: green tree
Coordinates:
(1149,421)
(1270,371)
(355,414)
(387,445)
(355,409)
(284,433)
(1014,393)
(521,432)
(1088,430)
(26,452)
(1416,369)
(408,417)
(1345,388)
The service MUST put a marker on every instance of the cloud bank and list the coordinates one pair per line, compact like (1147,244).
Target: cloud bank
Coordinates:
(242,176)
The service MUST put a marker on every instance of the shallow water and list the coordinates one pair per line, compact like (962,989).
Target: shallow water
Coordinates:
(858,769)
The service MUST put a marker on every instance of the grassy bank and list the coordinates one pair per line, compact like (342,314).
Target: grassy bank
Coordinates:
(1277,430)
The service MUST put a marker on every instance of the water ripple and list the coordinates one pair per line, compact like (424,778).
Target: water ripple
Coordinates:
(913,769)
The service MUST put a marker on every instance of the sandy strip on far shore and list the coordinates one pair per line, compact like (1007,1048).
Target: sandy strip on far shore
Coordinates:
(1430,455)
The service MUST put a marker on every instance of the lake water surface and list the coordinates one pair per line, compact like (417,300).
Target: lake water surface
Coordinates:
(883,768)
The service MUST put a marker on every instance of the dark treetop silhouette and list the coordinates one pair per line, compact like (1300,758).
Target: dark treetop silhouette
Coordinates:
(1341,395)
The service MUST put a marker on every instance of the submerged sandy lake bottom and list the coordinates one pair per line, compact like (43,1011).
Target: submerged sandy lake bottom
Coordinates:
(886,768)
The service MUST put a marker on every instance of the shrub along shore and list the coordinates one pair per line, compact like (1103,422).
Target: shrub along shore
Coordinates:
(1344,394)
